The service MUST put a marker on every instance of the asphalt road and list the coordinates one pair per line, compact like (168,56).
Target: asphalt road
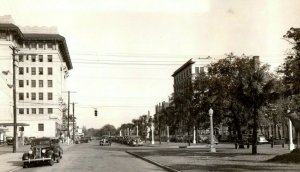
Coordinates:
(92,157)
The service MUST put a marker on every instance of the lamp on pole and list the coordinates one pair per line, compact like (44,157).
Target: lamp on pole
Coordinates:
(291,144)
(212,148)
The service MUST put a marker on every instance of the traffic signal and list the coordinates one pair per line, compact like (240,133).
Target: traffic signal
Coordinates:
(96,113)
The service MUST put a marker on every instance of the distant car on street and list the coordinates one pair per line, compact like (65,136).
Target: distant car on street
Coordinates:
(136,141)
(261,139)
(84,140)
(104,142)
(205,138)
(9,140)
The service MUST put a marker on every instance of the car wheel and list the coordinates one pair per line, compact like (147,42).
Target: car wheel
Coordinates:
(25,165)
(51,161)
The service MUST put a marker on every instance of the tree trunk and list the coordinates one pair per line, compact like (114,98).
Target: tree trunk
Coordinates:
(255,127)
(188,130)
(239,132)
(159,132)
(298,139)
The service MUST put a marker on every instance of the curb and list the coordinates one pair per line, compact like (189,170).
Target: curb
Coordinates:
(153,162)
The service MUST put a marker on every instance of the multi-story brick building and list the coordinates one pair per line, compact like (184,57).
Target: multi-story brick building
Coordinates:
(42,64)
(186,74)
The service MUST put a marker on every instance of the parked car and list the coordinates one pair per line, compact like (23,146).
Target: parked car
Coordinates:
(205,138)
(104,142)
(43,151)
(84,140)
(9,140)
(261,139)
(135,141)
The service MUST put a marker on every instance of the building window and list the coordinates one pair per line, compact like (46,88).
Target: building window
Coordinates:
(21,70)
(40,58)
(21,59)
(33,58)
(33,96)
(21,111)
(41,111)
(27,110)
(26,45)
(27,82)
(201,69)
(33,83)
(27,69)
(33,45)
(3,36)
(41,83)
(33,71)
(33,110)
(50,45)
(21,83)
(41,45)
(27,57)
(49,58)
(21,96)
(50,110)
(50,71)
(27,95)
(41,127)
(21,128)
(40,71)
(41,97)
(50,84)
(50,96)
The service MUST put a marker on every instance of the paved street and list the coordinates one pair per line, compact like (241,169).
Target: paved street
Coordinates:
(92,157)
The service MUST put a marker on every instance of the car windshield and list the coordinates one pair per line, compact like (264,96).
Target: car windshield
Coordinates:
(40,142)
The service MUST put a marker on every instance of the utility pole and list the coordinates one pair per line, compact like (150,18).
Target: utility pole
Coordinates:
(68,116)
(73,122)
(68,120)
(14,49)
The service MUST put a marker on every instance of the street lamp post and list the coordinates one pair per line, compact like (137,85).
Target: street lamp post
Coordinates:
(152,133)
(212,147)
(291,145)
(194,140)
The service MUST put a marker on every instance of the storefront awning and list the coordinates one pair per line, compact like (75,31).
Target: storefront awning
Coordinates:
(12,124)
(3,129)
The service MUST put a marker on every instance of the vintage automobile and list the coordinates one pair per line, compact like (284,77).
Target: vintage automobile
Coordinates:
(43,150)
(84,140)
(104,142)
(136,141)
(205,138)
(261,139)
(9,140)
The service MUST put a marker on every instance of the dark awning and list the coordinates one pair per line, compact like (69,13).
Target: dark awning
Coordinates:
(5,124)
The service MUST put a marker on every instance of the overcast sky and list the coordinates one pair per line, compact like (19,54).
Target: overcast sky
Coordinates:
(125,51)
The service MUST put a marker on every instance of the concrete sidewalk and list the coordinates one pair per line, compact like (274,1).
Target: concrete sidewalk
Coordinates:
(13,161)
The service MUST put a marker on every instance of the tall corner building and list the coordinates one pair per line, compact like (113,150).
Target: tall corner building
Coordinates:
(186,74)
(42,65)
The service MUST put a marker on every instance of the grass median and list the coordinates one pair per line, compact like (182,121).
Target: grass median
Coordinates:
(227,158)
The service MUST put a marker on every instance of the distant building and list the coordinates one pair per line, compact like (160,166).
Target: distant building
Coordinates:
(186,74)
(43,62)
